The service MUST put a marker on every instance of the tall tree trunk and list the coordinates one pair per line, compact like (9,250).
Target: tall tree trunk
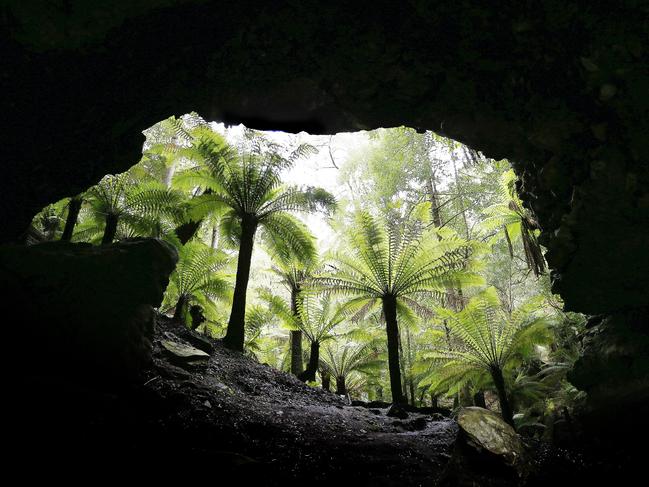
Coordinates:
(433,400)
(296,352)
(296,338)
(111,228)
(505,407)
(314,360)
(234,338)
(326,380)
(392,331)
(341,387)
(74,206)
(179,315)
(413,398)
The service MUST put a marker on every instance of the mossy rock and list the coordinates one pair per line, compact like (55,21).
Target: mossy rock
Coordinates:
(486,430)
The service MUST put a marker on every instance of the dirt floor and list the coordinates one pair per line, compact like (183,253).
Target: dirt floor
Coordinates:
(260,420)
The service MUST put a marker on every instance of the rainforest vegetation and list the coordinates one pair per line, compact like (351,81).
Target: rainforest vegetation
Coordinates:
(390,265)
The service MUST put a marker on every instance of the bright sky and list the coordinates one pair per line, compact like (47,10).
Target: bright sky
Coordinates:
(316,170)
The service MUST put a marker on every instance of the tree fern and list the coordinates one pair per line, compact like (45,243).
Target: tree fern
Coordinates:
(197,279)
(487,341)
(247,187)
(516,222)
(341,360)
(391,269)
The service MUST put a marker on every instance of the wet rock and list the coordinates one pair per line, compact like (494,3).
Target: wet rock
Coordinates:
(486,430)
(397,411)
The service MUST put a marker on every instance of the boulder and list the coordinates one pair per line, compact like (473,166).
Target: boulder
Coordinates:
(485,430)
(85,312)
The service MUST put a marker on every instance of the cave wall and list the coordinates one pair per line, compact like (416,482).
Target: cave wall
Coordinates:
(561,88)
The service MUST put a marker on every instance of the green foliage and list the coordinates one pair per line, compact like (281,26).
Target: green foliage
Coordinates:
(407,262)
(198,279)
(516,223)
(341,360)
(484,341)
(420,219)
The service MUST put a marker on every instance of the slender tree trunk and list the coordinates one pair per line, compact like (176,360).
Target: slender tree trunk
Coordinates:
(341,387)
(505,407)
(509,242)
(215,237)
(234,338)
(392,331)
(411,386)
(312,367)
(478,400)
(296,338)
(379,393)
(169,174)
(179,315)
(111,228)
(326,380)
(74,206)
(433,400)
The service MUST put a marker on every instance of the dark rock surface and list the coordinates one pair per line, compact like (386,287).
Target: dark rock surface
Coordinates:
(82,310)
(560,88)
(614,371)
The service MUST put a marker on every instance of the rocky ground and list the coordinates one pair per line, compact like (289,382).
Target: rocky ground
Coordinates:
(215,414)
(264,421)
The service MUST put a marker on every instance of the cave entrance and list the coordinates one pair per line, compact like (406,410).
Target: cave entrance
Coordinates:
(181,192)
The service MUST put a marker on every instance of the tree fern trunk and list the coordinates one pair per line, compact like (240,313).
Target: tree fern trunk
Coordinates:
(73,213)
(392,331)
(296,338)
(341,386)
(179,315)
(505,407)
(326,380)
(314,360)
(111,228)
(235,335)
